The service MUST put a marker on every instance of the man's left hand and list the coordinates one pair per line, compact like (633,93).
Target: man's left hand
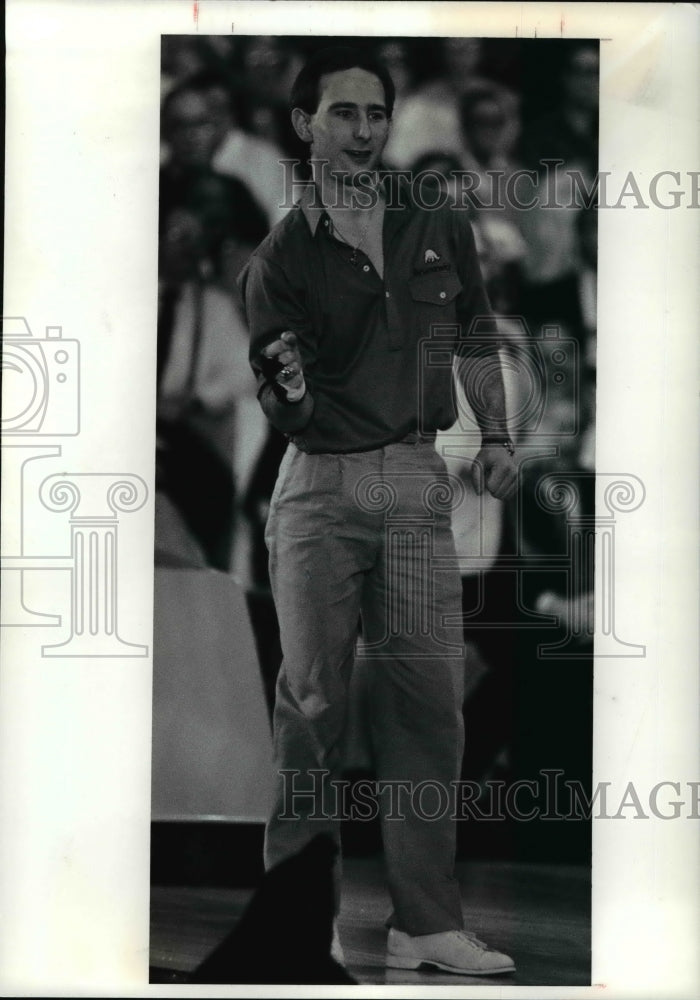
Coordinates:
(494,468)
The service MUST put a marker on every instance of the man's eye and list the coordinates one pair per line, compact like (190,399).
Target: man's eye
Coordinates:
(344,113)
(378,116)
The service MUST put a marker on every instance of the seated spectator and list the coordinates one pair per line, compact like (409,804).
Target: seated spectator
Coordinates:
(252,158)
(190,129)
(544,532)
(489,130)
(233,224)
(199,135)
(202,375)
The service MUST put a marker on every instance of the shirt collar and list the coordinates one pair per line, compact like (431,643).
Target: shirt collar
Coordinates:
(312,208)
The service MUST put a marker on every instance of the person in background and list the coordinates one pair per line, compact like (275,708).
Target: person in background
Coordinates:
(554,657)
(190,129)
(181,57)
(489,131)
(399,56)
(568,134)
(240,153)
(570,131)
(201,379)
(429,119)
(196,125)
(270,64)
(233,224)
(587,232)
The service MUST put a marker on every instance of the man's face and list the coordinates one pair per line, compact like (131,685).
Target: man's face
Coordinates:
(485,128)
(350,127)
(192,131)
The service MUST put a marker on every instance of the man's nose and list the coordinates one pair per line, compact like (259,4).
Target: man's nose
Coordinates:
(362,129)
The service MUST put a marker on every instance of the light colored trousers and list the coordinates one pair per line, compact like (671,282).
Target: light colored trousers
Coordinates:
(356,536)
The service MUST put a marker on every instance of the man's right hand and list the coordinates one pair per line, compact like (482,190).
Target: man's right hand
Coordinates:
(286,353)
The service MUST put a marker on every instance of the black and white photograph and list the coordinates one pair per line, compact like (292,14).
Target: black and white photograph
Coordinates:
(382,546)
(348,510)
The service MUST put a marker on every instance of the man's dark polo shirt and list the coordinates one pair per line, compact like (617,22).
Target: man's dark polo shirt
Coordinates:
(375,360)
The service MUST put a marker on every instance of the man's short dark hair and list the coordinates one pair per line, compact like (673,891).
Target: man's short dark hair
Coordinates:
(306,92)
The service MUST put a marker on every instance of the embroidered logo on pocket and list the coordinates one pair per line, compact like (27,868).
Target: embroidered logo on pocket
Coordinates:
(431,257)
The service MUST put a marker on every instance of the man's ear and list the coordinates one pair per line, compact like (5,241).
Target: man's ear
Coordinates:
(302,125)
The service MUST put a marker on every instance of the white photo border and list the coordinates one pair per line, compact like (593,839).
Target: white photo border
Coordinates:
(80,253)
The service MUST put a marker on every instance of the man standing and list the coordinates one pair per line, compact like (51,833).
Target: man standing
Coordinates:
(340,299)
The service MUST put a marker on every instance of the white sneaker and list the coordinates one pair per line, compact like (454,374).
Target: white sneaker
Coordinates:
(453,951)
(336,947)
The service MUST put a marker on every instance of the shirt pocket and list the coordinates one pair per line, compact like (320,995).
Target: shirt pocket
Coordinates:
(439,289)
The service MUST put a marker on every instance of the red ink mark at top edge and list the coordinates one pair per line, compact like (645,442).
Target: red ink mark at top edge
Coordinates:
(195,13)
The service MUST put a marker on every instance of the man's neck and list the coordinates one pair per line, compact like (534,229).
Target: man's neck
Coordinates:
(338,195)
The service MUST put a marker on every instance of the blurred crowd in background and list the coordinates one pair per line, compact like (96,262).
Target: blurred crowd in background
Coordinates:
(488,106)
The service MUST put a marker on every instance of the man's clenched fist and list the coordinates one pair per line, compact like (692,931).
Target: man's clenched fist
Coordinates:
(495,469)
(290,376)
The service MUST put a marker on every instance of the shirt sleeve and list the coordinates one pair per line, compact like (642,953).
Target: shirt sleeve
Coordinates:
(480,369)
(272,306)
(474,311)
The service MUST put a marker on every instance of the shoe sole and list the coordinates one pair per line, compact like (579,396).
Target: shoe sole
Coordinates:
(399,962)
